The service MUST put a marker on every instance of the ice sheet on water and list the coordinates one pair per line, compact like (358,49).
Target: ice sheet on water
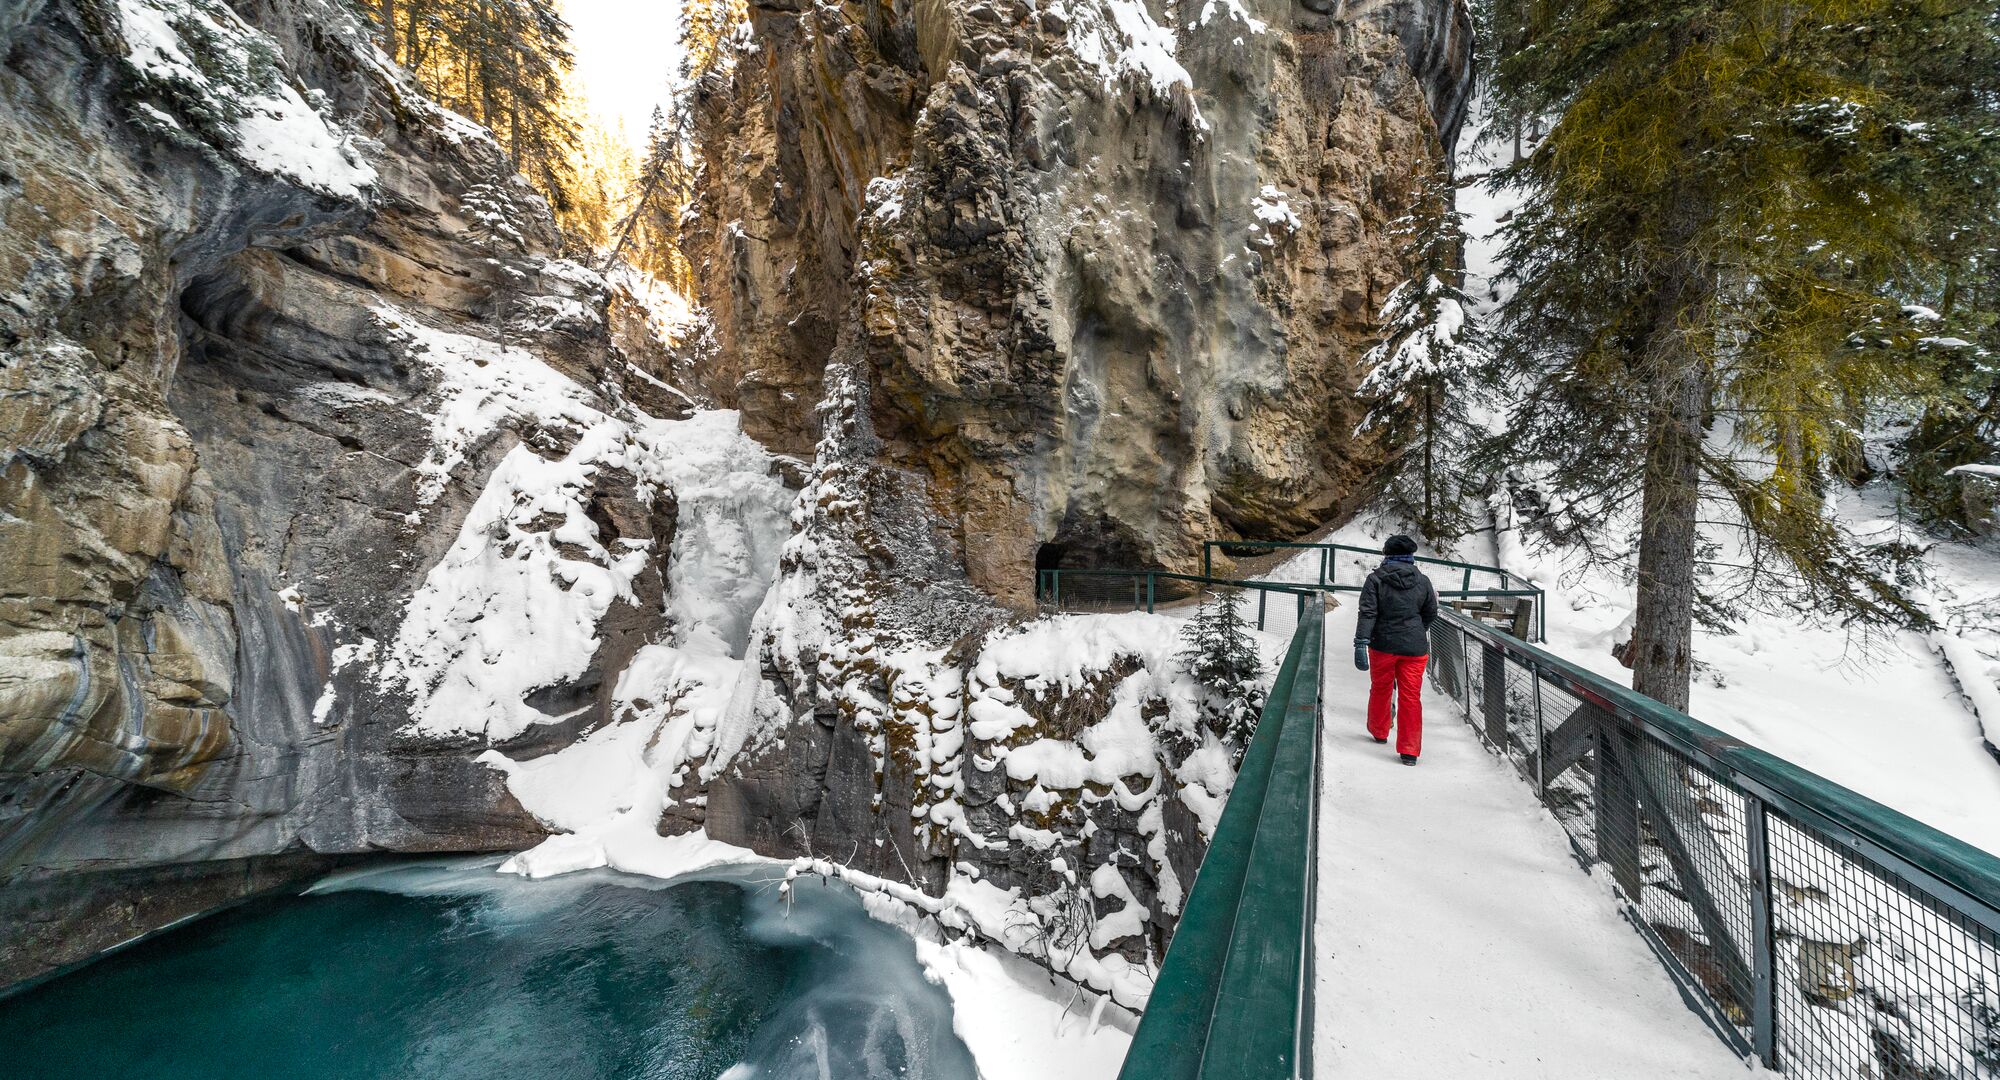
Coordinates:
(858,1004)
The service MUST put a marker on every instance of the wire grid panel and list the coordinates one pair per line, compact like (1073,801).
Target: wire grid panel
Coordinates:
(1876,977)
(1870,976)
(1507,717)
(1447,666)
(1672,835)
(1565,765)
(1693,865)
(1272,611)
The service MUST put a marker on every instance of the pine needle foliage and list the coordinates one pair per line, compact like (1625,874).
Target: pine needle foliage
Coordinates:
(1718,234)
(1427,372)
(502,64)
(1953,66)
(647,230)
(1219,654)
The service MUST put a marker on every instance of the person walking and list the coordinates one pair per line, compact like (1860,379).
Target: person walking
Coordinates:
(1392,642)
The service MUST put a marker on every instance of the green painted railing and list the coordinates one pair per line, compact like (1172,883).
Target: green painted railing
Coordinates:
(1503,583)
(1234,997)
(1825,934)
(1277,604)
(1821,932)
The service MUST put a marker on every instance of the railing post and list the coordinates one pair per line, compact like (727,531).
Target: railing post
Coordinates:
(1261,597)
(1493,688)
(1467,586)
(1763,943)
(1055,589)
(1150,580)
(1325,558)
(1208,558)
(1617,810)
(1541,741)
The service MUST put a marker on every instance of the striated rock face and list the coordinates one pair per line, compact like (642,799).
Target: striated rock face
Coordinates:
(1107,268)
(339,514)
(243,271)
(1064,284)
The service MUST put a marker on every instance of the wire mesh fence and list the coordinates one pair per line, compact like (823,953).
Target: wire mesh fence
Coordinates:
(1827,935)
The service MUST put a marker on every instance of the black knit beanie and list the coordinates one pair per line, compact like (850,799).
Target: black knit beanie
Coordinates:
(1399,545)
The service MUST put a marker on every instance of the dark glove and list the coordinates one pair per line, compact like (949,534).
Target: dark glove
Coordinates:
(1361,656)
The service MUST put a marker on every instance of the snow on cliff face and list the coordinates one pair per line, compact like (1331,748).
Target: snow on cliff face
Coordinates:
(221,81)
(1120,38)
(517,602)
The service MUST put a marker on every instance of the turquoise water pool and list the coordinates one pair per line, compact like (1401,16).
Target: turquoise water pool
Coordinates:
(453,971)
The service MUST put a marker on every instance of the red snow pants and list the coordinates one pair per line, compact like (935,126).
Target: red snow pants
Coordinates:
(1402,676)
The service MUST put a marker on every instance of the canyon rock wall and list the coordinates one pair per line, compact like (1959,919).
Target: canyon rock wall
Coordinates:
(340,514)
(1051,284)
(1107,267)
(239,261)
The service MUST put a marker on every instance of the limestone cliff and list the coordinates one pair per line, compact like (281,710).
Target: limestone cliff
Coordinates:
(246,277)
(339,513)
(1052,284)
(1106,267)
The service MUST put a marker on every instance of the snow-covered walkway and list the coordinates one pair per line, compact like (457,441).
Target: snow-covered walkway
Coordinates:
(1457,937)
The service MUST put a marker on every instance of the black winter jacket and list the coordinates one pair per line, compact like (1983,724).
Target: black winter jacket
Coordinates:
(1398,606)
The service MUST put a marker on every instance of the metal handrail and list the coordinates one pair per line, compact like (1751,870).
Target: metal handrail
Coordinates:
(1243,952)
(1657,825)
(1329,576)
(1928,902)
(1147,594)
(1970,875)
(1208,548)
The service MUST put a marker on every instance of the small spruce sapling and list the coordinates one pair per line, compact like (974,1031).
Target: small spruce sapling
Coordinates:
(1220,655)
(1426,373)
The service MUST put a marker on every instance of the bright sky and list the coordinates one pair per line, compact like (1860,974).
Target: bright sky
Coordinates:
(625,52)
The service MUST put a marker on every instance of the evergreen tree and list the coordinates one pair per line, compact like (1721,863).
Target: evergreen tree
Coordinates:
(648,232)
(1721,221)
(1222,658)
(1953,64)
(1425,374)
(501,63)
(661,189)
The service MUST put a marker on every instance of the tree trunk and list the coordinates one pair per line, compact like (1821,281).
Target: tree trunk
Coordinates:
(1430,476)
(419,51)
(1662,651)
(389,28)
(1678,384)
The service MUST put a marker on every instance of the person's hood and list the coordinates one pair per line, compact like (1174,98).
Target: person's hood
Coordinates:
(1400,575)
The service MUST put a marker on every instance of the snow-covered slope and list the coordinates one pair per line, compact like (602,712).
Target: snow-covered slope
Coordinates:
(1885,714)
